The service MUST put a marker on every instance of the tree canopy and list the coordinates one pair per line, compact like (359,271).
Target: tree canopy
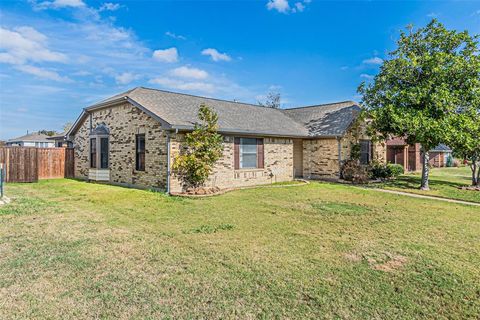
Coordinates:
(430,79)
(203,147)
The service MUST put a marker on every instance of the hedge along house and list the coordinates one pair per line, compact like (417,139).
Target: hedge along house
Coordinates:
(132,139)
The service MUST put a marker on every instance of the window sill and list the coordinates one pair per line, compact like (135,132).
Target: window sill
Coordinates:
(249,169)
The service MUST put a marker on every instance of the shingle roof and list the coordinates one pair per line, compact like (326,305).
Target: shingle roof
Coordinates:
(326,119)
(34,137)
(442,148)
(180,111)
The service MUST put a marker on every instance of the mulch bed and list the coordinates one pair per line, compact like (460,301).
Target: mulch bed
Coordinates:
(215,191)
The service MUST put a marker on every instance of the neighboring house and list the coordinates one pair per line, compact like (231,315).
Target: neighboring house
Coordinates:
(34,139)
(132,139)
(409,156)
(439,155)
(61,141)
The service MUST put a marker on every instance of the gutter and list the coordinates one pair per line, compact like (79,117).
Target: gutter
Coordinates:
(168,162)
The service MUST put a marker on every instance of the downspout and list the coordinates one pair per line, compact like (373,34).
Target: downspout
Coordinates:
(169,173)
(339,140)
(168,162)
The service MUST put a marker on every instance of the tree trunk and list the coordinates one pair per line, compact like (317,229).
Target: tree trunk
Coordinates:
(475,172)
(425,171)
(476,180)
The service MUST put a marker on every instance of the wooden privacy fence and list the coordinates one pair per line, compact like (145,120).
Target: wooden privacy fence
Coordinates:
(26,164)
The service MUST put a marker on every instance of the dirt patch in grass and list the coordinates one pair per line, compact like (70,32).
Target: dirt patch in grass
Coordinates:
(385,261)
(339,208)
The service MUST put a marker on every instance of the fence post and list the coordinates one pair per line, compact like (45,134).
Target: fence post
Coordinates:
(1,180)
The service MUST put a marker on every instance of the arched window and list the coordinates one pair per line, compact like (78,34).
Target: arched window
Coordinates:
(99,147)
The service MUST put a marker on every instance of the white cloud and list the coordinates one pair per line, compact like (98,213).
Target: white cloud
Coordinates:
(189,73)
(283,6)
(42,73)
(279,5)
(198,86)
(374,60)
(215,55)
(109,6)
(166,55)
(25,44)
(175,36)
(366,76)
(126,77)
(432,15)
(299,6)
(58,4)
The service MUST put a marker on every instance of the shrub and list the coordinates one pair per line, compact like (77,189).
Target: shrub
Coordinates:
(396,170)
(385,171)
(353,171)
(449,161)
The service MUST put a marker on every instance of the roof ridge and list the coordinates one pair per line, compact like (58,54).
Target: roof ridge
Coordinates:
(324,105)
(216,99)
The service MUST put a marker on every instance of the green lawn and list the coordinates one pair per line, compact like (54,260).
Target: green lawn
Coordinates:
(71,249)
(444,182)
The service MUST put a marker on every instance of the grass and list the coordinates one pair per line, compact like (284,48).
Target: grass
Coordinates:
(444,182)
(71,250)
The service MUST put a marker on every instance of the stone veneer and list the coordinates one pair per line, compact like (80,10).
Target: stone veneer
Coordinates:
(124,122)
(278,164)
(320,156)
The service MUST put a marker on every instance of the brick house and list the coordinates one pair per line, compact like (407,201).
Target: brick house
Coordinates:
(132,138)
(409,156)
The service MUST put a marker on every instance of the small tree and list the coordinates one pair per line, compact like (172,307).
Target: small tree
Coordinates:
(420,88)
(203,147)
(272,101)
(47,132)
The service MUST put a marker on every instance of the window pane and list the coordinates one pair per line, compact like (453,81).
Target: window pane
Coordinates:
(248,160)
(93,153)
(248,145)
(365,151)
(140,152)
(104,153)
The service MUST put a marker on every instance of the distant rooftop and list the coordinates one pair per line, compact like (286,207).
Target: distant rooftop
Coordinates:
(31,137)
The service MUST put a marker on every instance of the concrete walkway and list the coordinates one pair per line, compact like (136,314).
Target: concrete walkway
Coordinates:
(421,196)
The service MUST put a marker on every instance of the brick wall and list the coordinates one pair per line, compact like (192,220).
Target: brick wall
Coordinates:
(321,159)
(124,122)
(278,165)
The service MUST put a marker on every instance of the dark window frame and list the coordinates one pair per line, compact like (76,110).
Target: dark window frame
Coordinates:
(140,154)
(238,153)
(104,153)
(93,153)
(365,151)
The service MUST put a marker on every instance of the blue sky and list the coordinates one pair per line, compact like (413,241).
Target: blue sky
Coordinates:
(58,56)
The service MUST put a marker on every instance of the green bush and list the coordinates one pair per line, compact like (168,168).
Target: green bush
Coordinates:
(385,171)
(449,161)
(396,170)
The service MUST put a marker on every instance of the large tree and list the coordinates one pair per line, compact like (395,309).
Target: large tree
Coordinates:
(422,86)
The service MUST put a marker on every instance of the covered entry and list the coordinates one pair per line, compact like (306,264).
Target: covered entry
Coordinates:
(298,158)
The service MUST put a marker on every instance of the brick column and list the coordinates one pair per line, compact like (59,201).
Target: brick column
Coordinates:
(405,158)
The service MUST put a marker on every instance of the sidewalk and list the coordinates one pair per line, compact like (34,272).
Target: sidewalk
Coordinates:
(413,195)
